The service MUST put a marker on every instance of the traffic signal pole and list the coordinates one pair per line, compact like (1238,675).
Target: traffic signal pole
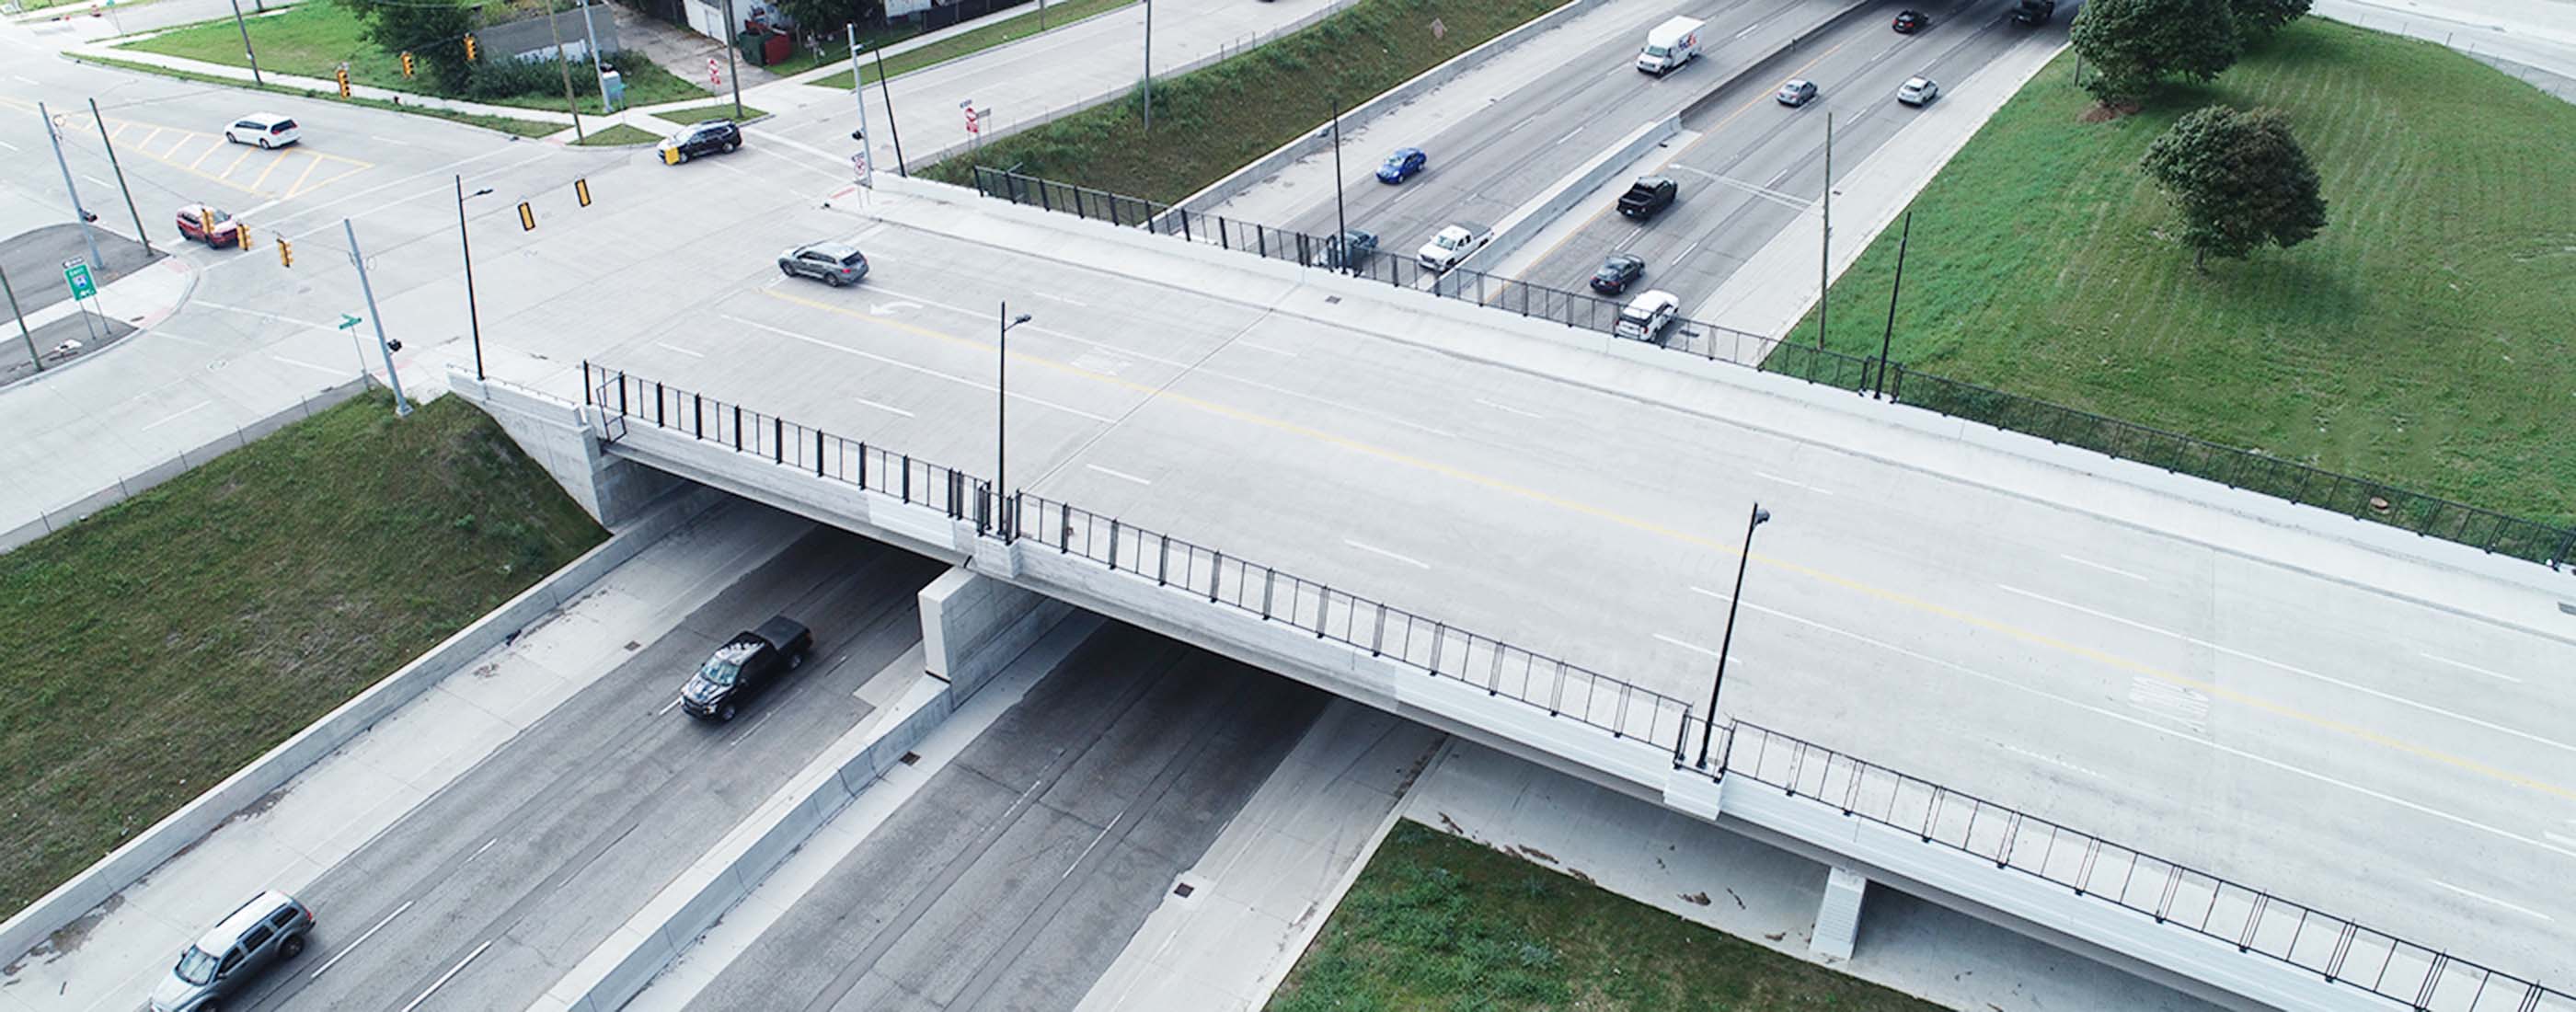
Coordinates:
(402,408)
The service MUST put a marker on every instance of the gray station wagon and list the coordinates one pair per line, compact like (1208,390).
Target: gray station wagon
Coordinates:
(833,263)
(268,929)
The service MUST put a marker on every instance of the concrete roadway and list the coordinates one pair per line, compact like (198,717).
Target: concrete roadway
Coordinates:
(2238,714)
(1014,878)
(516,870)
(1754,164)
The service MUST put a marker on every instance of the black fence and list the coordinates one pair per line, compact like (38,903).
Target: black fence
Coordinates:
(2255,921)
(2360,498)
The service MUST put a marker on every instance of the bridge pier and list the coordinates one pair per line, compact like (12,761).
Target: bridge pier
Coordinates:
(1838,918)
(973,624)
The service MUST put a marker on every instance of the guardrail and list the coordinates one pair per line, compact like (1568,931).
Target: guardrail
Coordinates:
(2359,498)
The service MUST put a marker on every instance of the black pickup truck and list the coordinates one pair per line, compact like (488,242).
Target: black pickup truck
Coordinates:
(1648,195)
(744,666)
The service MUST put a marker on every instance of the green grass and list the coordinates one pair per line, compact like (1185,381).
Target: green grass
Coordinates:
(157,647)
(1437,922)
(2423,339)
(1212,121)
(505,124)
(1059,13)
(313,39)
(616,134)
(720,110)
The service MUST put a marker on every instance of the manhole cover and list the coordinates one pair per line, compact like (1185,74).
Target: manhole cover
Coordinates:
(910,758)
(1184,890)
(1332,300)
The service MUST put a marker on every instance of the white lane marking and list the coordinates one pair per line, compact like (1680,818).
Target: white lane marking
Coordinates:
(1785,481)
(1062,299)
(2563,851)
(449,975)
(271,317)
(6,144)
(1119,474)
(183,413)
(2328,679)
(21,79)
(1086,851)
(1509,408)
(2106,569)
(673,347)
(308,365)
(753,729)
(1687,251)
(1569,135)
(2490,899)
(1384,552)
(1692,647)
(388,140)
(2188,707)
(2049,759)
(478,851)
(2564,841)
(884,407)
(666,707)
(1516,127)
(2469,667)
(1256,346)
(926,371)
(345,950)
(95,179)
(1712,593)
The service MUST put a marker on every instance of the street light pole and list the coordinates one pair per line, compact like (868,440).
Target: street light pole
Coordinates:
(79,213)
(472,316)
(1001,414)
(1149,66)
(1340,214)
(887,92)
(1825,243)
(402,408)
(859,95)
(110,145)
(247,51)
(1887,341)
(1709,727)
(733,74)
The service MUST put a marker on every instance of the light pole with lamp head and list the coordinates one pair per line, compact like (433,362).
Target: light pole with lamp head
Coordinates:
(1708,727)
(1001,415)
(473,317)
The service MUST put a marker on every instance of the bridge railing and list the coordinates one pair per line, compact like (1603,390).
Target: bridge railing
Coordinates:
(2359,498)
(2256,922)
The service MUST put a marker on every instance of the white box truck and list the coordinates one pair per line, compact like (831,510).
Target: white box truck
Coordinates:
(1670,45)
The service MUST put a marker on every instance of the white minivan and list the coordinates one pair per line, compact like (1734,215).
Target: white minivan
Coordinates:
(266,129)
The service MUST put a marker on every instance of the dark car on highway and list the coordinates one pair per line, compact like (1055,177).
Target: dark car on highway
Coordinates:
(1617,273)
(1910,22)
(832,263)
(1647,196)
(745,666)
(1350,250)
(1404,164)
(709,137)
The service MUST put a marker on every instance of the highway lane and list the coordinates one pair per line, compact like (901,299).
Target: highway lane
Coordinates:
(1020,871)
(1755,165)
(493,886)
(2212,708)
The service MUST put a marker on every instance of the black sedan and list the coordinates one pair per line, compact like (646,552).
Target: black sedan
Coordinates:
(1910,22)
(1617,273)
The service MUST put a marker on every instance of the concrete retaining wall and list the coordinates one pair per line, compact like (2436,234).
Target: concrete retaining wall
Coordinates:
(562,438)
(1570,190)
(183,828)
(972,625)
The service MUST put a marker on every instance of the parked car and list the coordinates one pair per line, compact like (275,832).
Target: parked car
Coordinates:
(1646,316)
(709,137)
(1348,251)
(832,263)
(1910,22)
(208,225)
(268,929)
(1917,91)
(1617,273)
(1404,164)
(266,129)
(1452,245)
(1799,91)
(2034,12)
(744,666)
(1647,196)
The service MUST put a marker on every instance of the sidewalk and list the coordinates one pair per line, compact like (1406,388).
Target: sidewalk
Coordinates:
(324,85)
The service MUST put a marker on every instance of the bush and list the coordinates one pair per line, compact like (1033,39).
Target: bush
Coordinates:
(497,79)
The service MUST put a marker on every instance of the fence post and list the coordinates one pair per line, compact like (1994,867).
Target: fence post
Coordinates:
(698,415)
(907,479)
(737,428)
(777,440)
(1163,560)
(1269,583)
(1044,202)
(863,467)
(661,397)
(585,383)
(2565,545)
(1064,529)
(1185,225)
(621,395)
(1113,544)
(818,453)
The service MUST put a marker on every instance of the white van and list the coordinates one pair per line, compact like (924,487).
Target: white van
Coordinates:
(1647,315)
(266,129)
(1670,45)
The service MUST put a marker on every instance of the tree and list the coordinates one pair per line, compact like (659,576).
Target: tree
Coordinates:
(2240,180)
(2257,18)
(2136,43)
(432,31)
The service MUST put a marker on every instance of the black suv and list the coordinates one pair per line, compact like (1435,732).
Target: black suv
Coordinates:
(745,665)
(714,136)
(1648,195)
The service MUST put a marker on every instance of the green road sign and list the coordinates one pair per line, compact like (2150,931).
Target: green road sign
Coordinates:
(347,321)
(76,272)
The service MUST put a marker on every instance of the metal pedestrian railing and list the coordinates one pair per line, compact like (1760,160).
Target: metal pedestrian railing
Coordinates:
(2340,950)
(2359,498)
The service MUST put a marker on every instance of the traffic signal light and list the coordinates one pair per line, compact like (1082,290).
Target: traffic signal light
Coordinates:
(241,234)
(581,189)
(469,49)
(406,57)
(285,253)
(343,73)
(527,217)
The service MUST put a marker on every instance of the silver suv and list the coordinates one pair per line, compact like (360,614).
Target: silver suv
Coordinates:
(269,928)
(833,263)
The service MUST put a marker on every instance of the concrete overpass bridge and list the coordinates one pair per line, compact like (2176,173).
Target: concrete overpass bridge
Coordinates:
(1969,665)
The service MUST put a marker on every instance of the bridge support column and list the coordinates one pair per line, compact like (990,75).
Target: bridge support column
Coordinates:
(559,436)
(973,624)
(1838,919)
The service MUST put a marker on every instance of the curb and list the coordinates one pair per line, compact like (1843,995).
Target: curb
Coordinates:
(1571,189)
(33,928)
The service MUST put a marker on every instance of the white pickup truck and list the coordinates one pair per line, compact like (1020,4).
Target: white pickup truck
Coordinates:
(1452,245)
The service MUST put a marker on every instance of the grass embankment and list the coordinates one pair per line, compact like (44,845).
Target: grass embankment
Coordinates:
(1213,121)
(2423,339)
(162,644)
(1057,15)
(616,135)
(1435,921)
(313,39)
(720,110)
(521,127)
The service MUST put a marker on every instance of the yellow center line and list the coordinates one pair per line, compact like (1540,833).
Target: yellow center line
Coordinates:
(298,185)
(236,163)
(1675,534)
(201,159)
(272,167)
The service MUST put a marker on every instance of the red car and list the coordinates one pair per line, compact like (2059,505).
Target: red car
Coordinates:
(208,225)
(1910,22)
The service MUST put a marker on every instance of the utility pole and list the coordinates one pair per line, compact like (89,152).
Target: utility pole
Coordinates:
(1149,66)
(1709,728)
(1341,215)
(564,68)
(859,94)
(473,316)
(247,51)
(23,333)
(1825,243)
(79,213)
(1001,410)
(596,72)
(402,408)
(733,74)
(112,163)
(887,92)
(1887,341)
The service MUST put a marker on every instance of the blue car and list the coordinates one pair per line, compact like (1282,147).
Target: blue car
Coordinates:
(1401,165)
